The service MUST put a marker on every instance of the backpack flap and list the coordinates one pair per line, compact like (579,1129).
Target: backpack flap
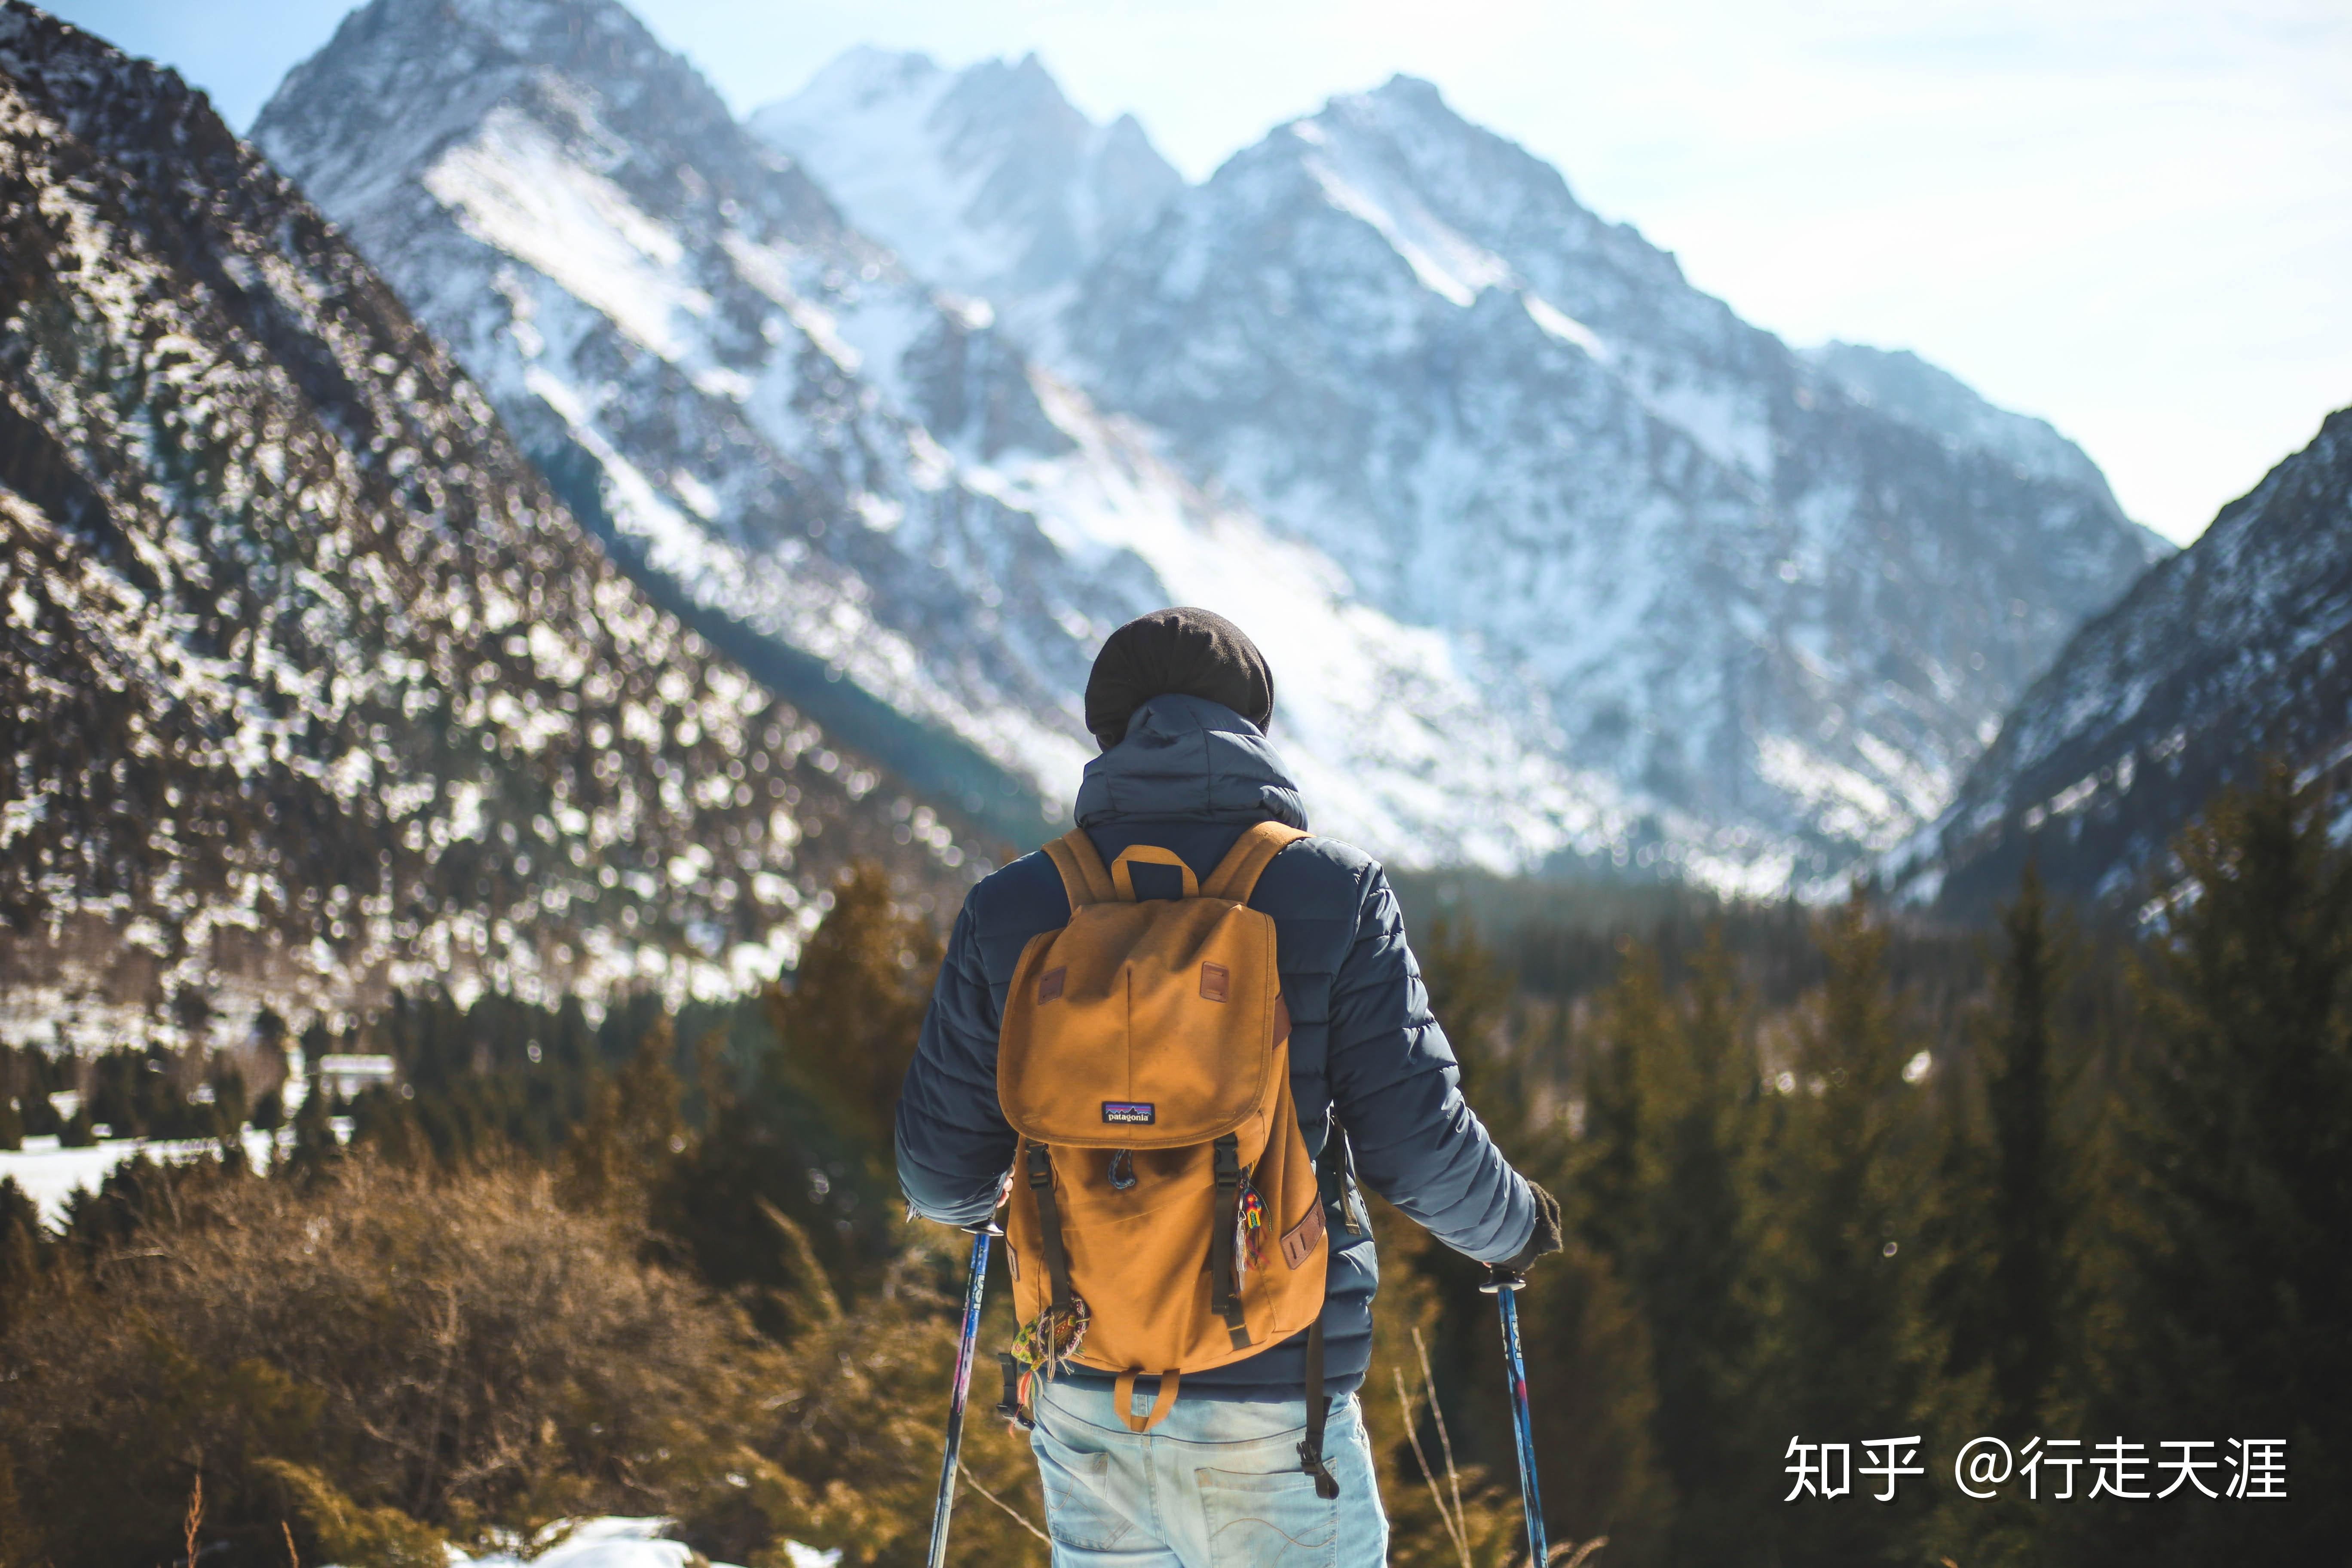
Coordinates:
(1144,1025)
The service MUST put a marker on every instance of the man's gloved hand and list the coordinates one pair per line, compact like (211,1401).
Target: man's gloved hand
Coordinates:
(1546,1238)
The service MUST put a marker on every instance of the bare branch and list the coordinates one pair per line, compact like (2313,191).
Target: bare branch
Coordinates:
(1018,1517)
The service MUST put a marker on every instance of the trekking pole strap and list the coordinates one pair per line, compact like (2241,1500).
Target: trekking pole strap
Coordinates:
(1049,1224)
(1330,1180)
(1333,1169)
(1319,1416)
(1009,1407)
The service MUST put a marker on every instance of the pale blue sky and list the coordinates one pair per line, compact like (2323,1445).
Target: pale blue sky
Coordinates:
(2133,219)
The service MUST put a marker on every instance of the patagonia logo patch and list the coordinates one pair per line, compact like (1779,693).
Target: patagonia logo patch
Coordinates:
(1129,1112)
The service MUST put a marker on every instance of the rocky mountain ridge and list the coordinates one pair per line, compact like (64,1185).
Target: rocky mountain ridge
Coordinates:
(2235,652)
(998,188)
(311,688)
(1779,601)
(824,464)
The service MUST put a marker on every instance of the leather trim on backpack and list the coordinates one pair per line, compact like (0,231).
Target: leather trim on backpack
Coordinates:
(1299,1242)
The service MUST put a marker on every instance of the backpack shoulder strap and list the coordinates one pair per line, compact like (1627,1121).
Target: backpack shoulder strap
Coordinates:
(1236,875)
(1083,876)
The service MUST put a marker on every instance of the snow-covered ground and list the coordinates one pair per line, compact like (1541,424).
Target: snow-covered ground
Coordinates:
(50,1174)
(619,1542)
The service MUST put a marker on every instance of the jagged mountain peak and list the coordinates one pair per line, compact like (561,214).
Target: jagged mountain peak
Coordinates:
(1680,598)
(986,180)
(1453,162)
(863,489)
(401,78)
(1405,88)
(1746,594)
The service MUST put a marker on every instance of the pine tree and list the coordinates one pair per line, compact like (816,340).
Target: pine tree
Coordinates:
(2233,1285)
(23,1248)
(1634,1038)
(1691,1263)
(794,1167)
(1849,1321)
(2004,1227)
(850,1021)
(1588,1351)
(315,1146)
(633,1131)
(2021,1060)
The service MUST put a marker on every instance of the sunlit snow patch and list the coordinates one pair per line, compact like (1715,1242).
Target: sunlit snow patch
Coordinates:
(515,190)
(1447,263)
(1561,325)
(617,1542)
(50,1174)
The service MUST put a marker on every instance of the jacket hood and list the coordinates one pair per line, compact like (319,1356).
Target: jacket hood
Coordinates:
(1188,759)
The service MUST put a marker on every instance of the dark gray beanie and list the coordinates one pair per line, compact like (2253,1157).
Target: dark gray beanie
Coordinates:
(1195,652)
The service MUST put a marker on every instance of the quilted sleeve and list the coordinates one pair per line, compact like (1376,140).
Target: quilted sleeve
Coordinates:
(954,1144)
(1398,1090)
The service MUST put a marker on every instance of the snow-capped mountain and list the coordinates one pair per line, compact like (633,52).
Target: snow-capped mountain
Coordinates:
(985,181)
(1781,602)
(860,488)
(311,689)
(2236,650)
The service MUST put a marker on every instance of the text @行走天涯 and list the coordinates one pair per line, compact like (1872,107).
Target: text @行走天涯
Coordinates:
(2049,1469)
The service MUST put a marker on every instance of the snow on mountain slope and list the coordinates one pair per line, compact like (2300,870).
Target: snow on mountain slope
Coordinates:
(2236,650)
(861,490)
(1779,601)
(309,687)
(1785,615)
(985,181)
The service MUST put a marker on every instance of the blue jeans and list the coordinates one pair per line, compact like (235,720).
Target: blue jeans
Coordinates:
(1216,1485)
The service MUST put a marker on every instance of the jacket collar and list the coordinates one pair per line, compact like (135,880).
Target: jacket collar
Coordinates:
(1188,759)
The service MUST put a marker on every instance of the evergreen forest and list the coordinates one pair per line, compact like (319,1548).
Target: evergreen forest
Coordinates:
(1828,1176)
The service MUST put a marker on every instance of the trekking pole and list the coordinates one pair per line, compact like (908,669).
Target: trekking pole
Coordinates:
(1504,1286)
(975,1283)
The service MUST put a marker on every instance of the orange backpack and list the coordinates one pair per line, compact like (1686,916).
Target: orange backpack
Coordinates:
(1165,1215)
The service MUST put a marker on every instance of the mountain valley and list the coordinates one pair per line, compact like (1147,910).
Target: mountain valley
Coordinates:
(313,690)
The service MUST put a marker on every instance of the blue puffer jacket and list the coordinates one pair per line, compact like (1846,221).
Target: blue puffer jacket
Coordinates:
(1189,777)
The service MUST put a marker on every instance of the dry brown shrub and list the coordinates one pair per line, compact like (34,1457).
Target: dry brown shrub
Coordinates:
(855,1441)
(466,1352)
